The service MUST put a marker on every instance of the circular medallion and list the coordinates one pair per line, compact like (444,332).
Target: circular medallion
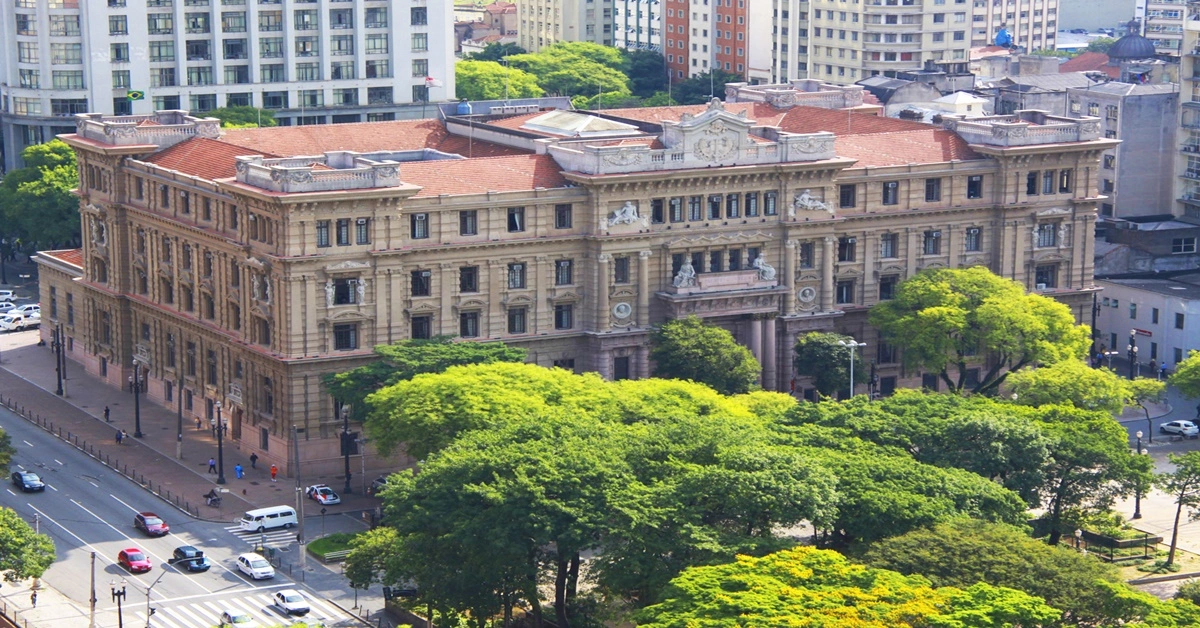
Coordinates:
(807,294)
(622,310)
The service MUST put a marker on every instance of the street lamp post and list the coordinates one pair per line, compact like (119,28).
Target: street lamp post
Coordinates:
(136,382)
(1133,350)
(346,446)
(1137,490)
(118,596)
(220,447)
(852,345)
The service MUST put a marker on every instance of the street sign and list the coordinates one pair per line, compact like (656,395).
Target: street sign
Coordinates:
(134,94)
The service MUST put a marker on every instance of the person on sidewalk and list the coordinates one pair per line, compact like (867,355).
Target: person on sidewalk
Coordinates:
(212,465)
(237,470)
(119,437)
(254,461)
(106,419)
(274,470)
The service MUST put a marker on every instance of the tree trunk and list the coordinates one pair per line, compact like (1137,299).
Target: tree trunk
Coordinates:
(1175,530)
(560,590)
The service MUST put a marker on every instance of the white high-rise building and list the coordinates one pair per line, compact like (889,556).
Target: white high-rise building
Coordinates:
(310,61)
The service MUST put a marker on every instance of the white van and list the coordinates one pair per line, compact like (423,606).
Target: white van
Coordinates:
(267,518)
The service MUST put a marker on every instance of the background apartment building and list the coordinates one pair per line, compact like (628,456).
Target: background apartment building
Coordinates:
(546,22)
(311,61)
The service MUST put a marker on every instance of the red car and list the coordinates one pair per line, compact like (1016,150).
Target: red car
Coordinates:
(151,524)
(134,559)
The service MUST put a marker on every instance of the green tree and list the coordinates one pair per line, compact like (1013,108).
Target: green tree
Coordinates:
(488,80)
(23,553)
(687,348)
(945,318)
(647,71)
(1186,377)
(805,587)
(703,87)
(962,552)
(242,117)
(1072,382)
(495,52)
(38,209)
(819,356)
(407,359)
(1182,484)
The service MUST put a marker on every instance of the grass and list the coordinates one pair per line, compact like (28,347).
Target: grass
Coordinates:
(332,543)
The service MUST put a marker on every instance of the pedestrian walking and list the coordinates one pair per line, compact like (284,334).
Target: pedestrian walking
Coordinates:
(253,461)
(106,419)
(212,465)
(237,470)
(119,437)
(274,470)
(33,599)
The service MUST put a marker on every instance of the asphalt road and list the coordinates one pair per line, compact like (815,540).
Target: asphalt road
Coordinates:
(87,508)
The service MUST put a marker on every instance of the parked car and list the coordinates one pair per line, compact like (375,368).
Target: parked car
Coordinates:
(134,559)
(6,295)
(291,602)
(1183,428)
(18,322)
(323,494)
(237,619)
(191,559)
(151,524)
(255,566)
(28,482)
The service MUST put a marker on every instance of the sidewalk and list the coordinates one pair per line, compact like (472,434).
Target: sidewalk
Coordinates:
(27,384)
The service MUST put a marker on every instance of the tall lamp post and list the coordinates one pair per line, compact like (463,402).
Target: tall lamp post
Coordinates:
(220,447)
(136,383)
(852,345)
(118,596)
(1133,349)
(346,440)
(1137,490)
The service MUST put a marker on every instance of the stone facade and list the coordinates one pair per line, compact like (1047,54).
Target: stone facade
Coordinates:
(239,270)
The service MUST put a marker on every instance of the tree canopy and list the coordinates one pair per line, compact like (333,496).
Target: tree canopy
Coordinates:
(243,117)
(23,553)
(37,207)
(688,348)
(488,80)
(946,319)
(819,356)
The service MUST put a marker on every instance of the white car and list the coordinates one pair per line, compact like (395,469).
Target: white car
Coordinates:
(255,566)
(17,322)
(237,619)
(291,602)
(1183,428)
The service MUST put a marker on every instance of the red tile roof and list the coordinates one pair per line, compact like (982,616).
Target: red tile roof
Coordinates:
(363,137)
(73,257)
(476,176)
(202,157)
(1091,62)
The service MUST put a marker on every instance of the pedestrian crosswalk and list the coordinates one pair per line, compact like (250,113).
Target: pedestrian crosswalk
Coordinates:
(207,613)
(271,538)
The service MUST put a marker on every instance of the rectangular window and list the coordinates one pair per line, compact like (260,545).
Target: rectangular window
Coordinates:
(845,292)
(516,320)
(846,249)
(468,279)
(468,222)
(421,280)
(1178,321)
(564,272)
(621,269)
(1183,245)
(562,216)
(422,327)
(419,226)
(974,239)
(516,276)
(889,246)
(891,193)
(751,204)
(933,190)
(564,316)
(887,287)
(516,219)
(975,186)
(933,243)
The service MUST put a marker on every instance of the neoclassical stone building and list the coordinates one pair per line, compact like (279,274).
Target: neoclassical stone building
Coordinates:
(241,265)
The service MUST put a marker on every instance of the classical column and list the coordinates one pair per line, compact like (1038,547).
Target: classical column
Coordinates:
(770,341)
(829,254)
(603,319)
(643,302)
(789,277)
